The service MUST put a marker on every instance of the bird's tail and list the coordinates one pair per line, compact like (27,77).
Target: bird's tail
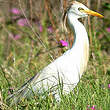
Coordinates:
(22,93)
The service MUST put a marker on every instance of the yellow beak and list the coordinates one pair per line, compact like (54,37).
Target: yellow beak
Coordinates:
(93,13)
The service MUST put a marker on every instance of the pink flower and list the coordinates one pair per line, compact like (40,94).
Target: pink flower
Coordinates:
(63,43)
(15,11)
(109,86)
(40,28)
(93,107)
(17,36)
(108,29)
(50,29)
(22,22)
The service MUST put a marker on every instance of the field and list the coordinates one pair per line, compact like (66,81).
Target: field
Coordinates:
(30,39)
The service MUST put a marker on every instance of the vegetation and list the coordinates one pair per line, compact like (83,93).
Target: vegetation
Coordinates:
(31,37)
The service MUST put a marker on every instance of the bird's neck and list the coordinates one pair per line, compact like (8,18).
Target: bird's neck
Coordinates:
(80,48)
(80,34)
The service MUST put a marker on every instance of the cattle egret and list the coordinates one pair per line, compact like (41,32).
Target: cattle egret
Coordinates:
(66,69)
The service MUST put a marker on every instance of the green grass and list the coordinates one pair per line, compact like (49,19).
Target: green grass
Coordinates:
(18,62)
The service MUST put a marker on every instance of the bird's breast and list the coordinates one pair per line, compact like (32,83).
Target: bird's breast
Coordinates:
(84,57)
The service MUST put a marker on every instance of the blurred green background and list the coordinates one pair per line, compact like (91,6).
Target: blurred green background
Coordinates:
(30,31)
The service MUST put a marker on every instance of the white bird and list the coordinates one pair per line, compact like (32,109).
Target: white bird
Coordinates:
(68,68)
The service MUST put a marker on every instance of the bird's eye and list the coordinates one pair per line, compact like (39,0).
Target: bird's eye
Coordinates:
(80,9)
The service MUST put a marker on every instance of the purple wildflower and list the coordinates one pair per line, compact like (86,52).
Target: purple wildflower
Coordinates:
(15,11)
(50,29)
(109,86)
(108,29)
(93,107)
(17,36)
(22,22)
(40,28)
(63,43)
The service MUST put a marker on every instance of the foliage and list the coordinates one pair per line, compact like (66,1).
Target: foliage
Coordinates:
(30,41)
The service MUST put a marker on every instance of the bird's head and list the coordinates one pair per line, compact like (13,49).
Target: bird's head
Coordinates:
(79,10)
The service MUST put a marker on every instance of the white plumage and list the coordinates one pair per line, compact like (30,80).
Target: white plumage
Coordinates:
(69,67)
